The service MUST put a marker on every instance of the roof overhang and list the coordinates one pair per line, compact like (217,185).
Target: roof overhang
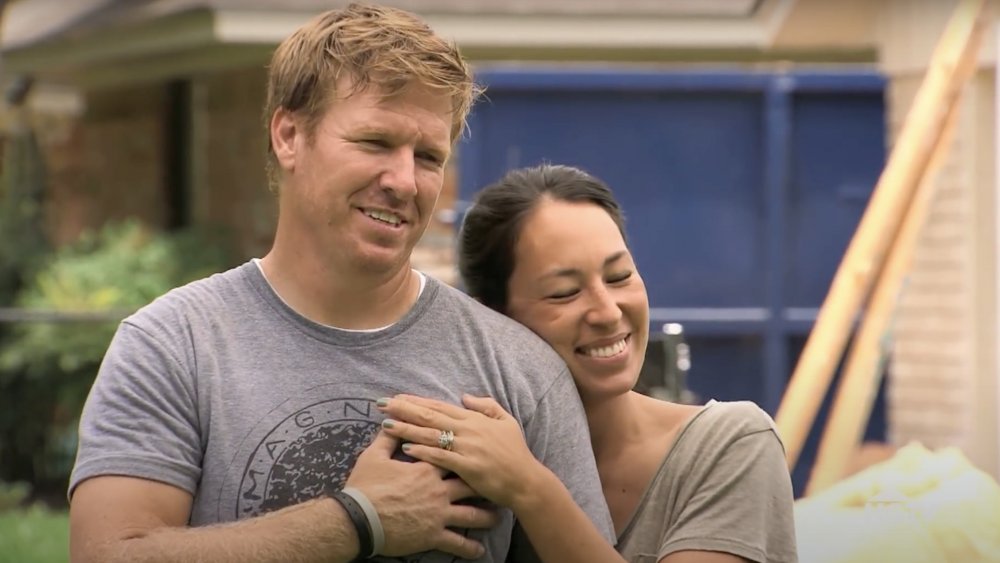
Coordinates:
(202,37)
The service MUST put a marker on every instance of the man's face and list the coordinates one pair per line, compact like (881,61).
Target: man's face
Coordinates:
(358,194)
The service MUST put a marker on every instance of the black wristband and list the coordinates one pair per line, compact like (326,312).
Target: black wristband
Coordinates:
(360,521)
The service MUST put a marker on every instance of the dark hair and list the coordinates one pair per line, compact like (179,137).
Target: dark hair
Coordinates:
(493,224)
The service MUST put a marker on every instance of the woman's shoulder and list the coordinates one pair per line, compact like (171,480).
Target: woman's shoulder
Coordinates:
(722,442)
(719,424)
(745,416)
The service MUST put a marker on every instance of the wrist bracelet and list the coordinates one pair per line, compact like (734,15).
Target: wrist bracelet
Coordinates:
(374,522)
(360,521)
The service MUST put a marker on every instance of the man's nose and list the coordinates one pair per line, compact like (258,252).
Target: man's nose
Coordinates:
(399,177)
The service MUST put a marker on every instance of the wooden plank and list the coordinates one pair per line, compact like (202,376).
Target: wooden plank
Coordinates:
(867,251)
(863,370)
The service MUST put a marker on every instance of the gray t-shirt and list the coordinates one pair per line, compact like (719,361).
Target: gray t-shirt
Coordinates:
(220,389)
(723,486)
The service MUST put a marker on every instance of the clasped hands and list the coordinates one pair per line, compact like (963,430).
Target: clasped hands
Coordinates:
(421,506)
(482,443)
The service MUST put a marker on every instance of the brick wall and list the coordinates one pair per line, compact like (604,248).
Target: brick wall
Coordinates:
(105,164)
(229,184)
(930,385)
(944,376)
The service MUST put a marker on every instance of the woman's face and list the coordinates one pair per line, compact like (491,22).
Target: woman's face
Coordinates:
(574,283)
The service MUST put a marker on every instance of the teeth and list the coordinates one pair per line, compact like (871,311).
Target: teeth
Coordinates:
(384,217)
(606,351)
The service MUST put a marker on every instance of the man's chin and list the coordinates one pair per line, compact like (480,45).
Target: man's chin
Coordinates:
(382,261)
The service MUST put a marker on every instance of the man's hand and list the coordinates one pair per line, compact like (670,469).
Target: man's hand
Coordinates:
(417,503)
(124,519)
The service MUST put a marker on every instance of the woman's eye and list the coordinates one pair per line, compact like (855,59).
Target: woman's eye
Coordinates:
(563,294)
(618,278)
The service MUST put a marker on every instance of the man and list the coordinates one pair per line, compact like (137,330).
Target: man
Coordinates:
(231,418)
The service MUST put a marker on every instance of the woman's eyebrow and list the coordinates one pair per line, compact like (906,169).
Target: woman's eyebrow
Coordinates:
(615,257)
(562,273)
(572,272)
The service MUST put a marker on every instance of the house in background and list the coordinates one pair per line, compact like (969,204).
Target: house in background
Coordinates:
(151,108)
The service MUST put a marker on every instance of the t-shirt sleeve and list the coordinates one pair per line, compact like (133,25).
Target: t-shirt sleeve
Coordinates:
(141,417)
(742,504)
(559,437)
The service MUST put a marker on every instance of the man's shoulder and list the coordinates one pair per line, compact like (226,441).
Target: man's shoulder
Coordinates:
(492,329)
(480,317)
(199,297)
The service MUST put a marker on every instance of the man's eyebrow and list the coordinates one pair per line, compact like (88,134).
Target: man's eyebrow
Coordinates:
(441,151)
(370,130)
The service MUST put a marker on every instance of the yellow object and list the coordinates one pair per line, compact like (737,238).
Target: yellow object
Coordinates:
(919,506)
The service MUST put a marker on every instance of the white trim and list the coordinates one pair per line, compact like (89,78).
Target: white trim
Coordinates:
(772,17)
(165,37)
(996,231)
(599,32)
(186,42)
(717,314)
(801,314)
(23,22)
(540,30)
(585,23)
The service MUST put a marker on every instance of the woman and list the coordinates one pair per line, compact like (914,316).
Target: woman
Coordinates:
(684,483)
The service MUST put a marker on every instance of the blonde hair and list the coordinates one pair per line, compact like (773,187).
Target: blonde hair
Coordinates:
(378,46)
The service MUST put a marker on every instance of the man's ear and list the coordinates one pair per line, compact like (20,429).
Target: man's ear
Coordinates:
(285,133)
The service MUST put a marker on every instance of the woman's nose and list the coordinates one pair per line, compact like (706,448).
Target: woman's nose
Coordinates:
(604,309)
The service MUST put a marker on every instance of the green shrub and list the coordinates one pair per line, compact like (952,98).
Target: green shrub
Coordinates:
(34,535)
(116,270)
(23,243)
(13,495)
(46,368)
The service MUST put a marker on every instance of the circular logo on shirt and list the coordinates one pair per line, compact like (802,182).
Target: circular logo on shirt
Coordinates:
(307,454)
(310,453)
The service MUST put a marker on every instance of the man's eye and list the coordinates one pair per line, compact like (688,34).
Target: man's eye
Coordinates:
(379,143)
(429,157)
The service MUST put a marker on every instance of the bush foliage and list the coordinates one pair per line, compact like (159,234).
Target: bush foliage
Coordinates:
(47,367)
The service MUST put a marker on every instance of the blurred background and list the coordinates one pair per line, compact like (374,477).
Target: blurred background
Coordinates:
(744,138)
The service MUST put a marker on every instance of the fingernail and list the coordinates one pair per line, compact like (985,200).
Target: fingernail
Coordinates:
(382,402)
(388,423)
(405,448)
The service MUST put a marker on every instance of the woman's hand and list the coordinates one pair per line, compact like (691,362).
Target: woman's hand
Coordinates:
(488,450)
(489,453)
